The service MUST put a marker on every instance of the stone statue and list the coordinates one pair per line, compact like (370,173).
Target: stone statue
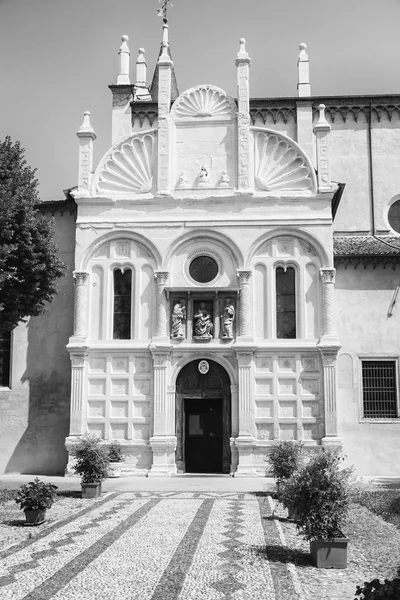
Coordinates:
(224,180)
(227,319)
(182,181)
(178,319)
(203,179)
(203,325)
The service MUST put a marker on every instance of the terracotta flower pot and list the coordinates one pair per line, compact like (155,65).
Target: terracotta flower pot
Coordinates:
(35,517)
(330,554)
(91,490)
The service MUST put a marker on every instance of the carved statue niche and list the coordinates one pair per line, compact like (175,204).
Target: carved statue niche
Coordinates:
(203,321)
(227,319)
(178,319)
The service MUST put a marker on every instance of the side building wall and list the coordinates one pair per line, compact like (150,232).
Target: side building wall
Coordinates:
(35,408)
(366,331)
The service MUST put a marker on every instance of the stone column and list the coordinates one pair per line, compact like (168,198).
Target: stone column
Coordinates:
(246,305)
(77,427)
(163,440)
(162,304)
(80,309)
(328,281)
(304,107)
(245,441)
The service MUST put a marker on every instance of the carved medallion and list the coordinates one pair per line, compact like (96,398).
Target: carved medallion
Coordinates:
(204,367)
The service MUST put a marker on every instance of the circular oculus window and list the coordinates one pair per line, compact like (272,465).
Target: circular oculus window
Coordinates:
(394,216)
(203,269)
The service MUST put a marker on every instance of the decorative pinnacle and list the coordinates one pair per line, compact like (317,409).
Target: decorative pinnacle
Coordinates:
(242,55)
(303,51)
(141,58)
(322,124)
(86,130)
(124,45)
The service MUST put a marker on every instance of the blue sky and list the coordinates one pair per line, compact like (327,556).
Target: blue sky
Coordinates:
(59,56)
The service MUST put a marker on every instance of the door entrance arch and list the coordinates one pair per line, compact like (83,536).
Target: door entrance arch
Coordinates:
(203,418)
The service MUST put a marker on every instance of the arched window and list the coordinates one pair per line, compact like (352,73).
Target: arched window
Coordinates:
(122,304)
(285,303)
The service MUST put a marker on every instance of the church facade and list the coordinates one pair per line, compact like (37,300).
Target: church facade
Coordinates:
(236,272)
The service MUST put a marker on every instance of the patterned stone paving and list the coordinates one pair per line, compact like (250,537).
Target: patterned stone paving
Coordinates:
(151,546)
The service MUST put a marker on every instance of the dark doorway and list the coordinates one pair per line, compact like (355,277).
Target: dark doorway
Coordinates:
(203,435)
(203,419)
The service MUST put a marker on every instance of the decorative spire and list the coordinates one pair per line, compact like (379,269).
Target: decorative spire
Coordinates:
(242,55)
(142,93)
(123,76)
(164,56)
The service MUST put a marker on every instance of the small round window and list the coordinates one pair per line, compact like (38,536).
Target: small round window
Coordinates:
(203,269)
(394,216)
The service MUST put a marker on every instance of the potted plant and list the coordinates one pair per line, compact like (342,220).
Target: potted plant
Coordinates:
(285,459)
(374,590)
(320,491)
(34,498)
(116,458)
(91,463)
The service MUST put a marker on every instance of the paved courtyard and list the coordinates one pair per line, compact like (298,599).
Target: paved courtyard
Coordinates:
(173,544)
(149,545)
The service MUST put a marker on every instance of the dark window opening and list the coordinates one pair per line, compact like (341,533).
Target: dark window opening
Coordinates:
(379,389)
(394,216)
(122,304)
(285,303)
(203,269)
(5,358)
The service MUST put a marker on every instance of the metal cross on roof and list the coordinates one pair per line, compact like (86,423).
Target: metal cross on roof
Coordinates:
(165,4)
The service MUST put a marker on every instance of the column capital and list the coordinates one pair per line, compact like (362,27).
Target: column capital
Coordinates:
(328,275)
(161,277)
(160,354)
(244,357)
(244,275)
(81,277)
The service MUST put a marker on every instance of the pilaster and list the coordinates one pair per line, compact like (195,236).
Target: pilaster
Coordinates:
(246,305)
(163,440)
(243,116)
(304,108)
(80,307)
(86,135)
(77,427)
(322,131)
(245,442)
(161,306)
(164,66)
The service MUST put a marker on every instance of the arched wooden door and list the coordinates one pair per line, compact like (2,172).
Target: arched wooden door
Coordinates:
(203,419)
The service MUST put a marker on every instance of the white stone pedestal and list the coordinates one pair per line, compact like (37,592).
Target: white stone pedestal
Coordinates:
(163,448)
(245,446)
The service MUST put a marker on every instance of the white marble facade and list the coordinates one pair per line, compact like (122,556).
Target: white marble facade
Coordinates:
(204,184)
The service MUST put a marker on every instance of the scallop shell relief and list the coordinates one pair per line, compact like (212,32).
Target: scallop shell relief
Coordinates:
(279,165)
(203,101)
(129,167)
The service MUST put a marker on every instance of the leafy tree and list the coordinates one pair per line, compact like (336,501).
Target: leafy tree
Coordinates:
(29,265)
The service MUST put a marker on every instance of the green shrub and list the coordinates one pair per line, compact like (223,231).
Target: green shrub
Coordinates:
(91,459)
(36,495)
(285,459)
(115,452)
(375,590)
(320,493)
